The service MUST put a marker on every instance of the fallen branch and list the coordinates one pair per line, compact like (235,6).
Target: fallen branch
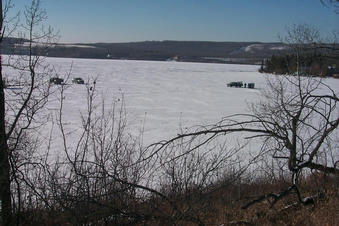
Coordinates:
(276,197)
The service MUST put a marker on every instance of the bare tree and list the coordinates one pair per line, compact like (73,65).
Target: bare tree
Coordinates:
(304,40)
(104,175)
(189,177)
(332,3)
(294,122)
(19,107)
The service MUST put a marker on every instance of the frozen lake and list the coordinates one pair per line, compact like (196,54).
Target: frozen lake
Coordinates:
(161,97)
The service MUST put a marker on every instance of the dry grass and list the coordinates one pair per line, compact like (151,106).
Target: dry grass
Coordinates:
(287,211)
(222,206)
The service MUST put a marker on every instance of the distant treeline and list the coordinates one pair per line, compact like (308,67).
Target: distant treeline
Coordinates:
(311,64)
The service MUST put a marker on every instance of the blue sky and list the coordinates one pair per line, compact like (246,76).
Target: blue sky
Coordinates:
(208,20)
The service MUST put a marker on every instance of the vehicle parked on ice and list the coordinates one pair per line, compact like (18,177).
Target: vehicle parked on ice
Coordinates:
(241,84)
(235,84)
(78,81)
(56,81)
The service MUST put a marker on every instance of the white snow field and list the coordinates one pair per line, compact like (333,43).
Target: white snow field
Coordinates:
(159,97)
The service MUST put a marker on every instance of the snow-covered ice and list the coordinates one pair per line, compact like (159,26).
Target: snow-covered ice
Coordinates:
(162,96)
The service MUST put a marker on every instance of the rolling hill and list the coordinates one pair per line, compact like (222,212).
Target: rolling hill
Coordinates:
(188,51)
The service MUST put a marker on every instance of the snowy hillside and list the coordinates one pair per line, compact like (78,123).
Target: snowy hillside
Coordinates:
(185,51)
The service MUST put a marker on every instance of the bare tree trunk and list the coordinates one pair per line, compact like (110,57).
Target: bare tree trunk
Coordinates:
(5,189)
(5,192)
